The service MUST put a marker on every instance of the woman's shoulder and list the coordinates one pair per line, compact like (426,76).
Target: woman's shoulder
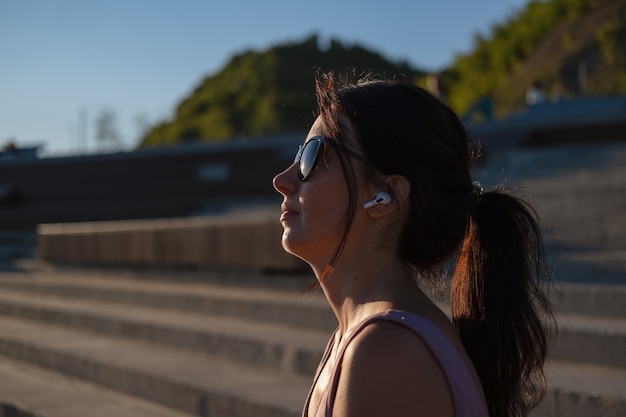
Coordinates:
(390,343)
(387,365)
(385,336)
(407,332)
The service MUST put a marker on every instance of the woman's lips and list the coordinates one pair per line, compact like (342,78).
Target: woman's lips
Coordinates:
(287,213)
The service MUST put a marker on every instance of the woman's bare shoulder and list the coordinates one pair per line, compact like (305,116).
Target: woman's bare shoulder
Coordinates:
(388,370)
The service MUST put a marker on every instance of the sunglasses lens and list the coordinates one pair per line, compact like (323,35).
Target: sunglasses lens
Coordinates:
(309,158)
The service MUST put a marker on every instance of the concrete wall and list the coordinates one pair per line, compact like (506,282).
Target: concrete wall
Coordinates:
(245,241)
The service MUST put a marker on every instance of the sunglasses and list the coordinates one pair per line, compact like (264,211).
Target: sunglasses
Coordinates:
(309,153)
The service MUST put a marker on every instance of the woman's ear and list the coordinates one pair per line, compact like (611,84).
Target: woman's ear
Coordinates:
(396,191)
(398,187)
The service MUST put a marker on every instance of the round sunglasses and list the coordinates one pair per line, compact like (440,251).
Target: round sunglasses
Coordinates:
(309,153)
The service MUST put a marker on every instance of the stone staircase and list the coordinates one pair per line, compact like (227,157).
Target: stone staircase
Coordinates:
(171,342)
(139,346)
(77,342)
(579,193)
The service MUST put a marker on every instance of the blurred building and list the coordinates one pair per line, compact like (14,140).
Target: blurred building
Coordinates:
(177,181)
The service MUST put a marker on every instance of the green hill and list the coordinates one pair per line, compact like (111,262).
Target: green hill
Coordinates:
(262,93)
(577,45)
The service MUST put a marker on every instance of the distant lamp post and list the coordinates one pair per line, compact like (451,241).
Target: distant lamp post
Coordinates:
(107,134)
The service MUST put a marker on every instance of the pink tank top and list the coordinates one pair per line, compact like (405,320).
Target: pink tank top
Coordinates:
(465,394)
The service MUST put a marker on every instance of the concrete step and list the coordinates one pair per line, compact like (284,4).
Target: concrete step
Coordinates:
(582,390)
(268,345)
(254,296)
(29,391)
(191,382)
(250,325)
(173,333)
(607,221)
(246,297)
(591,340)
(250,296)
(200,385)
(591,300)
(278,347)
(588,267)
(579,193)
(550,164)
(550,201)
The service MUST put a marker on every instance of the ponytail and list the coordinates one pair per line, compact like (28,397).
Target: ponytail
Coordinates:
(498,304)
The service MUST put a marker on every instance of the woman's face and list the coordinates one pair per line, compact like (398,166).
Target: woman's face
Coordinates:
(314,210)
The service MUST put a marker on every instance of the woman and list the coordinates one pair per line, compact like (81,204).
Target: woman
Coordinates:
(379,194)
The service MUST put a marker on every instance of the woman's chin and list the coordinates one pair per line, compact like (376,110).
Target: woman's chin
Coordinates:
(295,247)
(288,243)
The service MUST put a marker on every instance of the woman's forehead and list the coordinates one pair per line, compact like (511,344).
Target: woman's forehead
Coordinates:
(320,127)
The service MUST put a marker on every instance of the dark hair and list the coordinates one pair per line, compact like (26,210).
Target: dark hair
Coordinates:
(497,298)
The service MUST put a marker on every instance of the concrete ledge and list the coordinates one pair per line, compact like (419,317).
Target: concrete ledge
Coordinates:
(591,300)
(583,390)
(192,383)
(242,241)
(31,391)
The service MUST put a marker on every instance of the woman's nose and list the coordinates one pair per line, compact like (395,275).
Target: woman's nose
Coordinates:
(286,181)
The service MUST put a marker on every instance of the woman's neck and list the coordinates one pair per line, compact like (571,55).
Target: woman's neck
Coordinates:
(358,288)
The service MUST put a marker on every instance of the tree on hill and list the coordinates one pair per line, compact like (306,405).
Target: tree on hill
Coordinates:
(262,93)
(575,45)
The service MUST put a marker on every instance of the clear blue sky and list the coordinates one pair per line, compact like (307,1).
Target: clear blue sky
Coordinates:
(139,58)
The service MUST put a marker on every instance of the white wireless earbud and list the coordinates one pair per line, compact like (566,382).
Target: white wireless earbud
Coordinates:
(381,198)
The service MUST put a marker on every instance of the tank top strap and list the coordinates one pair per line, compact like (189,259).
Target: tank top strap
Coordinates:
(325,357)
(466,395)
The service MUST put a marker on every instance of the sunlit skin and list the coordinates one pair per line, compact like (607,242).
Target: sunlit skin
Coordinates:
(387,370)
(313,211)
